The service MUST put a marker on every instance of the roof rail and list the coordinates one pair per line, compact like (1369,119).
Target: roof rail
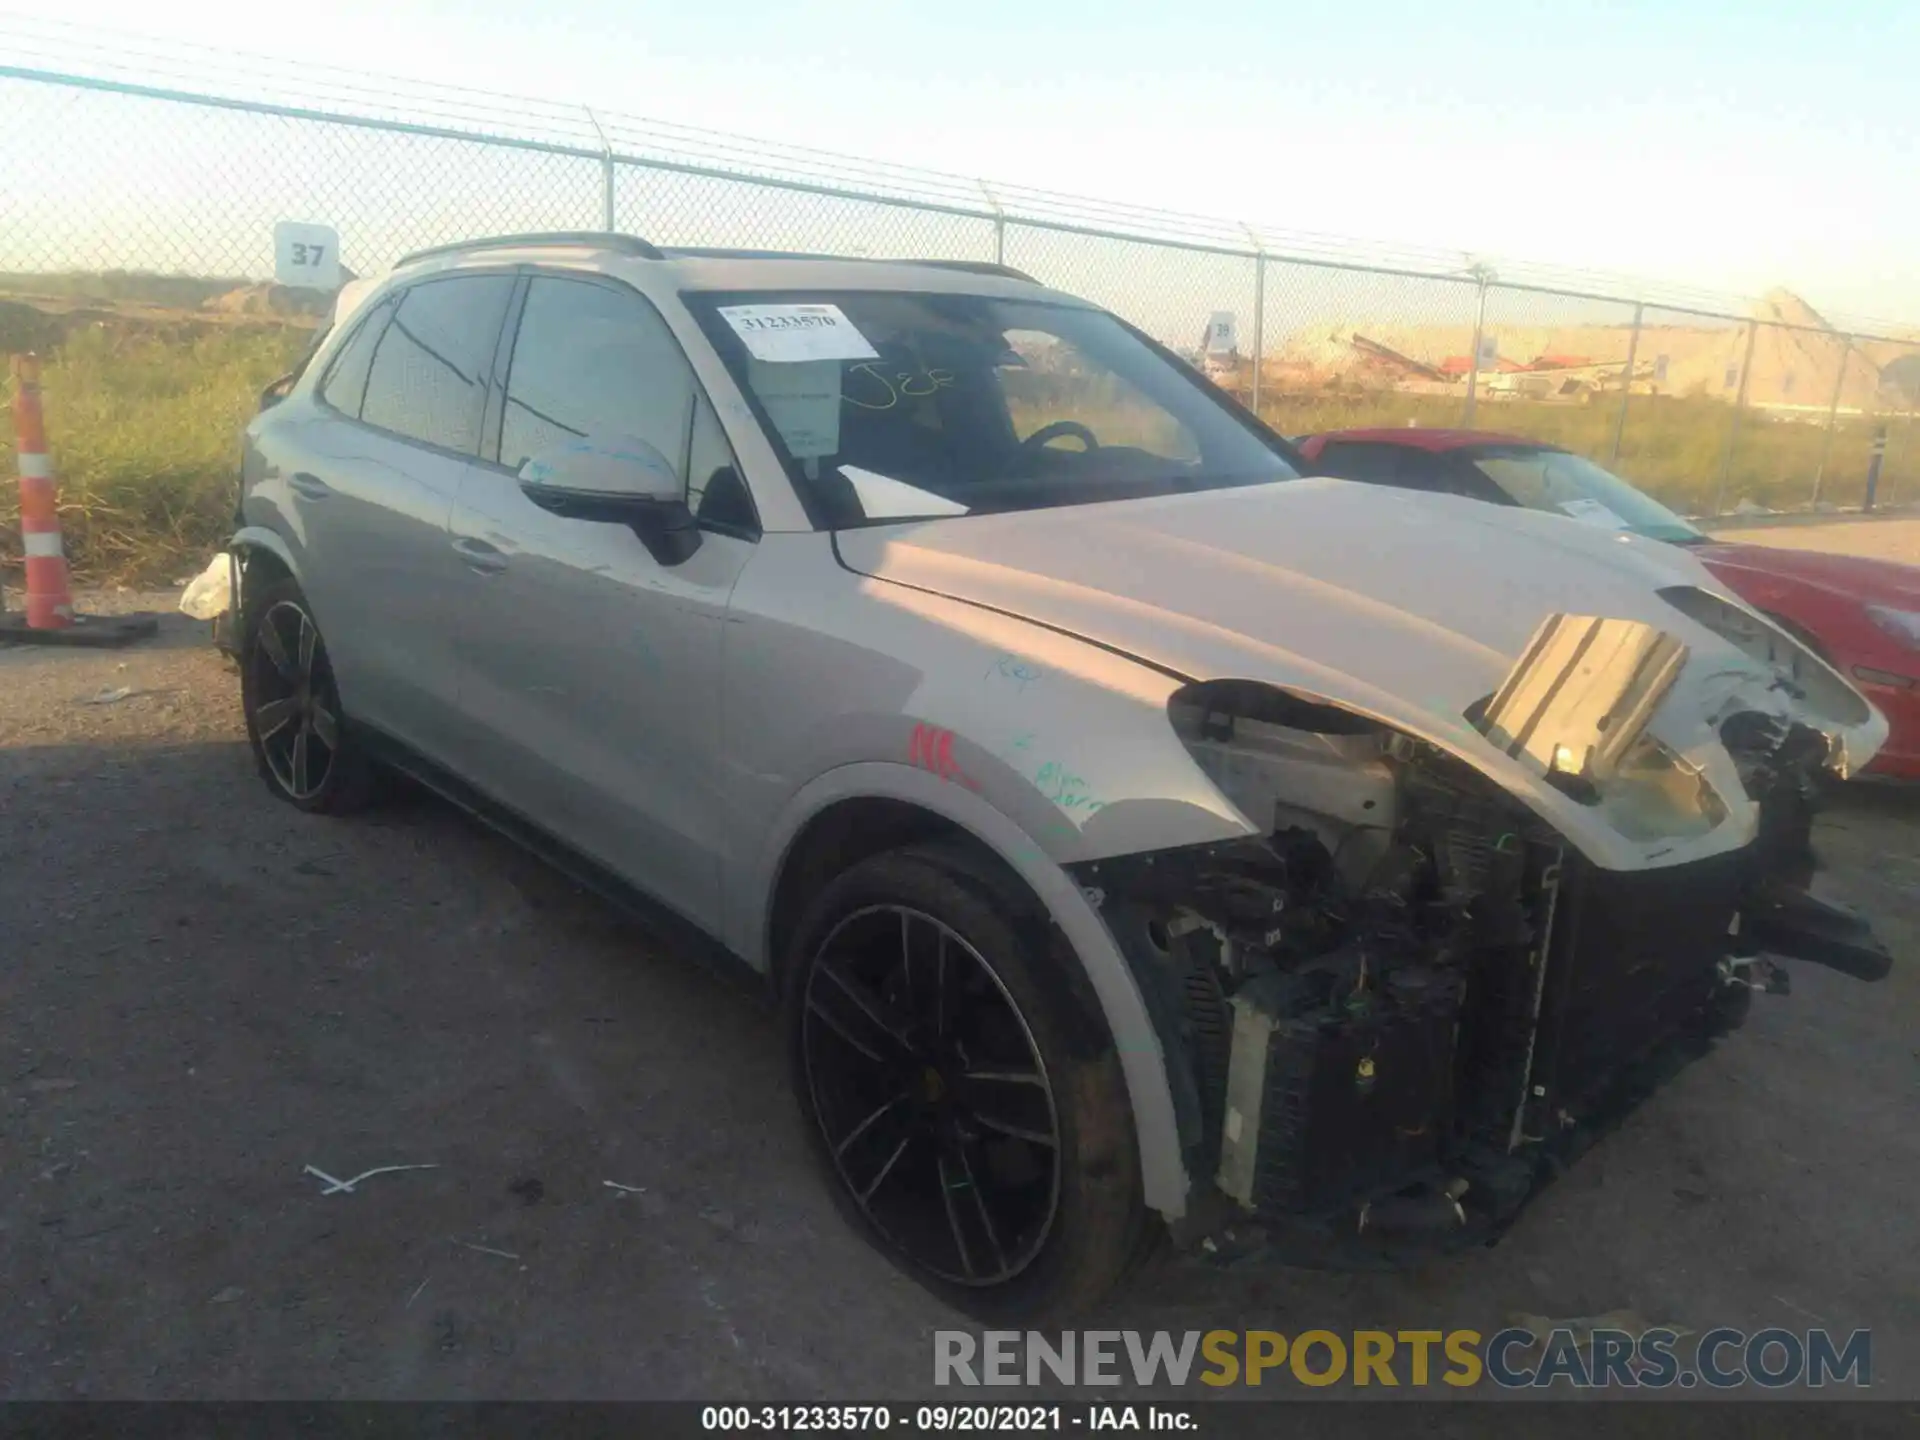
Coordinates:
(977,267)
(723,252)
(972,267)
(601,239)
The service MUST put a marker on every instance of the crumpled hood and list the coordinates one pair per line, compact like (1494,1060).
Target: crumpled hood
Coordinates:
(1385,599)
(1403,606)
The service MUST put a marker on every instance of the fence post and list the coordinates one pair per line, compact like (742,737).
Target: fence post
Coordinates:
(1259,309)
(1833,415)
(1878,454)
(999,223)
(1626,384)
(1733,425)
(1483,278)
(606,174)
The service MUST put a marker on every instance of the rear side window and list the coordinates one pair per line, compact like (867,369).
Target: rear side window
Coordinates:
(1375,464)
(431,366)
(346,382)
(591,360)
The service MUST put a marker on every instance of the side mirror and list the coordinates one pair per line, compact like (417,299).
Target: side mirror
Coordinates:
(277,391)
(616,479)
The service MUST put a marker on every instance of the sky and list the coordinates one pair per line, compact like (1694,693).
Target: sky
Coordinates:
(1732,145)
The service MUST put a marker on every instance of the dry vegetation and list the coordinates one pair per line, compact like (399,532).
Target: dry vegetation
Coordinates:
(144,424)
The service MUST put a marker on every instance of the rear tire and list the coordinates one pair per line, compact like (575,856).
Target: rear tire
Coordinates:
(302,740)
(959,1088)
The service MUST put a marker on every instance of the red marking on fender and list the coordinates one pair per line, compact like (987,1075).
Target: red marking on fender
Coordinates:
(931,748)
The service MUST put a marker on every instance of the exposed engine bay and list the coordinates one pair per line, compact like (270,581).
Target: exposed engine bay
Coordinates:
(1411,1002)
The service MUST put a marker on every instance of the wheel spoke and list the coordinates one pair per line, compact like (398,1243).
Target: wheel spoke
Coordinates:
(300,760)
(1008,1077)
(887,1169)
(326,726)
(309,637)
(839,1027)
(980,1204)
(878,1013)
(274,716)
(1018,1132)
(864,1126)
(953,1220)
(276,648)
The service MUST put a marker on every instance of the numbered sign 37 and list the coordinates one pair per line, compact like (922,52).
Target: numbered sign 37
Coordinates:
(306,255)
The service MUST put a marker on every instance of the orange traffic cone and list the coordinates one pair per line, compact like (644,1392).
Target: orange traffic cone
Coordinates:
(49,600)
(49,617)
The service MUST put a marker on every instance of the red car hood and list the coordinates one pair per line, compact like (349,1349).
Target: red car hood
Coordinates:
(1876,582)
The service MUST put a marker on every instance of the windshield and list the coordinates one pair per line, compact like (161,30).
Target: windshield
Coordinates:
(892,406)
(1564,484)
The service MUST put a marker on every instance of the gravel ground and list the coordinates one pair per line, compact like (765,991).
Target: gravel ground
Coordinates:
(204,992)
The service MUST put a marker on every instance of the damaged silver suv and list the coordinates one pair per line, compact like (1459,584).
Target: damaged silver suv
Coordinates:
(1139,836)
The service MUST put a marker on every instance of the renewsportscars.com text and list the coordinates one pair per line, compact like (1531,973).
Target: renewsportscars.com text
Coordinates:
(1720,1359)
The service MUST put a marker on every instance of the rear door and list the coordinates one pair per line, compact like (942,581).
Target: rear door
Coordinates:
(590,671)
(1406,467)
(399,421)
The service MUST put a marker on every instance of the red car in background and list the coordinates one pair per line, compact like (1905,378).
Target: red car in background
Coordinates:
(1860,616)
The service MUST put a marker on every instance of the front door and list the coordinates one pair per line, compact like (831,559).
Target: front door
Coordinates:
(590,671)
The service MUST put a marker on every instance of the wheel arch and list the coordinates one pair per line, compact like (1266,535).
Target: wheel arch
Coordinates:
(821,826)
(255,545)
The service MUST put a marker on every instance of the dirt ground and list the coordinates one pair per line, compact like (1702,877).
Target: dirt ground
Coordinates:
(203,992)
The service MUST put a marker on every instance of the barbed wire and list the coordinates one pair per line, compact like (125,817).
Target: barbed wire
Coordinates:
(55,49)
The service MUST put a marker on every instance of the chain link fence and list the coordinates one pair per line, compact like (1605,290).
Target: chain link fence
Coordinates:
(135,246)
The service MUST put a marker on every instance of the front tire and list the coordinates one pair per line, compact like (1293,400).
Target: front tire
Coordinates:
(959,1086)
(301,739)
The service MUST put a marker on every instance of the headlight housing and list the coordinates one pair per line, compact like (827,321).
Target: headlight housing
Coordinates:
(1903,625)
(1656,795)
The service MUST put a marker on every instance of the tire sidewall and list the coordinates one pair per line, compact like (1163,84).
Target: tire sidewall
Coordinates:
(1099,1215)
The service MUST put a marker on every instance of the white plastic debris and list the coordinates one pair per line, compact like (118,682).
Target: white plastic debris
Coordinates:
(109,697)
(336,1187)
(210,593)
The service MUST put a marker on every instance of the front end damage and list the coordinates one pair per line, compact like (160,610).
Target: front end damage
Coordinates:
(1410,1002)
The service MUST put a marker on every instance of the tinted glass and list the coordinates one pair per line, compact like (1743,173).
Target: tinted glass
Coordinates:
(941,404)
(1565,484)
(1357,460)
(593,360)
(429,376)
(346,380)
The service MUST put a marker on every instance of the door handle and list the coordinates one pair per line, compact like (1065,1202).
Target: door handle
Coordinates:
(480,557)
(308,487)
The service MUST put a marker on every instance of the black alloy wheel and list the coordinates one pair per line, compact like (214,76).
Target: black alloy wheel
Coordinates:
(931,1094)
(302,739)
(296,714)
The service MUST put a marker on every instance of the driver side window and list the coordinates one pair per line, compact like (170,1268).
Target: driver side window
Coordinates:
(592,361)
(1049,384)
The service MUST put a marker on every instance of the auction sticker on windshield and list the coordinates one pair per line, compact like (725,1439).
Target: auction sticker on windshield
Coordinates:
(784,334)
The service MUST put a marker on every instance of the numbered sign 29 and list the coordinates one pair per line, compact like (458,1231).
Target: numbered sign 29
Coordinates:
(306,255)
